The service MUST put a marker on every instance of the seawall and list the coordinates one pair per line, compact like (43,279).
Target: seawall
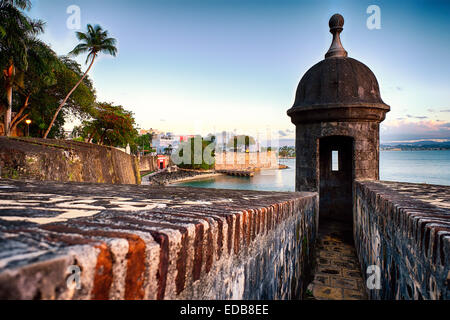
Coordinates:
(66,161)
(138,242)
(405,230)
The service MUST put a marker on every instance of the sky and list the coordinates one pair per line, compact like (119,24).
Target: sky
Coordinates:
(202,66)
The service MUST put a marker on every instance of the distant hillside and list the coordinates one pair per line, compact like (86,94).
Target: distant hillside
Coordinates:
(418,145)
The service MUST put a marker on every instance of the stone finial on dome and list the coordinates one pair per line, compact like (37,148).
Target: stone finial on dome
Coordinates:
(336,27)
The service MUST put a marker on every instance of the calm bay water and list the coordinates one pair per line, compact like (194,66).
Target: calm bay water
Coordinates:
(432,167)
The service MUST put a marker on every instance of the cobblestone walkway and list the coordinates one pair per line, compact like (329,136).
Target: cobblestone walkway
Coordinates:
(338,275)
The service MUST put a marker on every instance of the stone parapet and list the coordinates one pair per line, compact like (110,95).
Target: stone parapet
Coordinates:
(404,229)
(137,242)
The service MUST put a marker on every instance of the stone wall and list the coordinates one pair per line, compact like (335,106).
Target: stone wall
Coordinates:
(137,242)
(148,163)
(405,230)
(243,161)
(61,160)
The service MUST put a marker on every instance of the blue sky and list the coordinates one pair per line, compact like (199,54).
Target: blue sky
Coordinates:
(200,66)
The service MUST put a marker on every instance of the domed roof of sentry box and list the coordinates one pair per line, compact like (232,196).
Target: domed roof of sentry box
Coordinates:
(338,88)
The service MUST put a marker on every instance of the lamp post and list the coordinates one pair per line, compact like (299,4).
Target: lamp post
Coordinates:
(28,122)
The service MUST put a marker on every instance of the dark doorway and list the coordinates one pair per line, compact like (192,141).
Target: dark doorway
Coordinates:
(336,179)
(335,239)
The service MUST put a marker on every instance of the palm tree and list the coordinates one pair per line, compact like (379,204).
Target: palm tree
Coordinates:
(21,4)
(43,64)
(16,30)
(169,150)
(94,41)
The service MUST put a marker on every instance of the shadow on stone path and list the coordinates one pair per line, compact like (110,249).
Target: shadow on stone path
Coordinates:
(337,275)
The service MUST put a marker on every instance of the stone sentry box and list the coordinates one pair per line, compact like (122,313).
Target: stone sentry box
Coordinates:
(338,107)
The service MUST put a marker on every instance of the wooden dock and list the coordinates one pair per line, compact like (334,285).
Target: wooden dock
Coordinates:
(238,173)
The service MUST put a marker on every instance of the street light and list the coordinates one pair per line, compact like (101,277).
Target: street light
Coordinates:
(28,122)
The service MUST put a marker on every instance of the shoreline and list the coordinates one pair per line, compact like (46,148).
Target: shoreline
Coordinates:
(198,177)
(165,178)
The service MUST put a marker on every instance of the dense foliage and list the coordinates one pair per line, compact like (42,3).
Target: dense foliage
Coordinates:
(38,85)
(144,143)
(110,125)
(287,152)
(17,35)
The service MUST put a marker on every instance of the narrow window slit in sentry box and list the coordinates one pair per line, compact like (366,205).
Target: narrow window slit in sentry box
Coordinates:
(335,161)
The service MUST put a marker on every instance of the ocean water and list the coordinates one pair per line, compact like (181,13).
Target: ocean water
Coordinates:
(431,167)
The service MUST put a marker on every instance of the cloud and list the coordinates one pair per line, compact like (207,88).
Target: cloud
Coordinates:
(286,133)
(282,133)
(431,110)
(395,88)
(415,117)
(398,130)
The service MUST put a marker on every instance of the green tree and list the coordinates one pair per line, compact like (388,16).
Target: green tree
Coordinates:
(287,152)
(168,150)
(110,125)
(40,74)
(22,4)
(16,30)
(144,142)
(50,89)
(93,42)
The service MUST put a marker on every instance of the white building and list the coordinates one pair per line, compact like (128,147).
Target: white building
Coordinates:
(162,142)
